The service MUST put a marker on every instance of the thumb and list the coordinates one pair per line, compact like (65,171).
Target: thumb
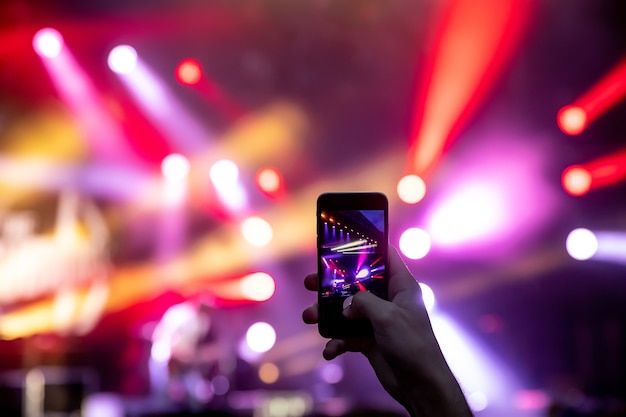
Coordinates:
(365,304)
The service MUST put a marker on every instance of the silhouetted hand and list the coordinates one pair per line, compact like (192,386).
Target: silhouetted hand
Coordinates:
(404,352)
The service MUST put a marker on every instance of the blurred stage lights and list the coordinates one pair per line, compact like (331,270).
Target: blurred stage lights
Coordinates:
(411,189)
(572,120)
(581,244)
(48,43)
(269,373)
(189,72)
(122,59)
(331,373)
(257,231)
(477,401)
(269,180)
(576,180)
(224,173)
(258,286)
(175,167)
(415,243)
(260,337)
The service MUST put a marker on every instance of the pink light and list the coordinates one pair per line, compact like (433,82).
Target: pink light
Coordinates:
(531,399)
(270,181)
(189,72)
(165,110)
(490,200)
(470,213)
(48,43)
(100,129)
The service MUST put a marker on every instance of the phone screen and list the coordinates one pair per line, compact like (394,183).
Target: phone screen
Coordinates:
(352,256)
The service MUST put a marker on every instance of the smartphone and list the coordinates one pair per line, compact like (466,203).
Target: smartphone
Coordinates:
(352,246)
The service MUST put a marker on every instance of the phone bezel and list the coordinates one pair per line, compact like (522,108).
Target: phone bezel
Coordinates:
(331,322)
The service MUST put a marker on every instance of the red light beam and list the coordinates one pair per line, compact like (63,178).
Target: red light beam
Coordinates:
(475,39)
(578,180)
(573,119)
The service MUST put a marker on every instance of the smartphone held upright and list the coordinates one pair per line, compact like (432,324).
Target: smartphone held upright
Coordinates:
(352,246)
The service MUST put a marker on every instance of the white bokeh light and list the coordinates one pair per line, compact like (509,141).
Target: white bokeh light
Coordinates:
(257,231)
(260,337)
(414,243)
(48,43)
(122,59)
(175,167)
(258,286)
(224,173)
(581,244)
(411,189)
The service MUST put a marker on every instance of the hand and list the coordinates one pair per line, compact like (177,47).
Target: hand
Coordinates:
(404,352)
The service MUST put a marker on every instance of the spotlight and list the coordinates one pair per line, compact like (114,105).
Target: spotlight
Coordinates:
(411,189)
(415,243)
(576,180)
(189,72)
(260,337)
(572,120)
(269,180)
(257,231)
(175,167)
(258,286)
(581,244)
(224,173)
(122,59)
(48,43)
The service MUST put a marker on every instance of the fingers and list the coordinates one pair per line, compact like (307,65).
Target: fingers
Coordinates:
(336,347)
(310,315)
(311,282)
(401,280)
(366,304)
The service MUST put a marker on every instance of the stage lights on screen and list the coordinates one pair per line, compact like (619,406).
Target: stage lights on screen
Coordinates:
(411,189)
(189,72)
(122,59)
(48,43)
(415,243)
(581,244)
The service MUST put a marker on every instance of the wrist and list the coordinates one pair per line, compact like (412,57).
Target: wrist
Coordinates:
(443,399)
